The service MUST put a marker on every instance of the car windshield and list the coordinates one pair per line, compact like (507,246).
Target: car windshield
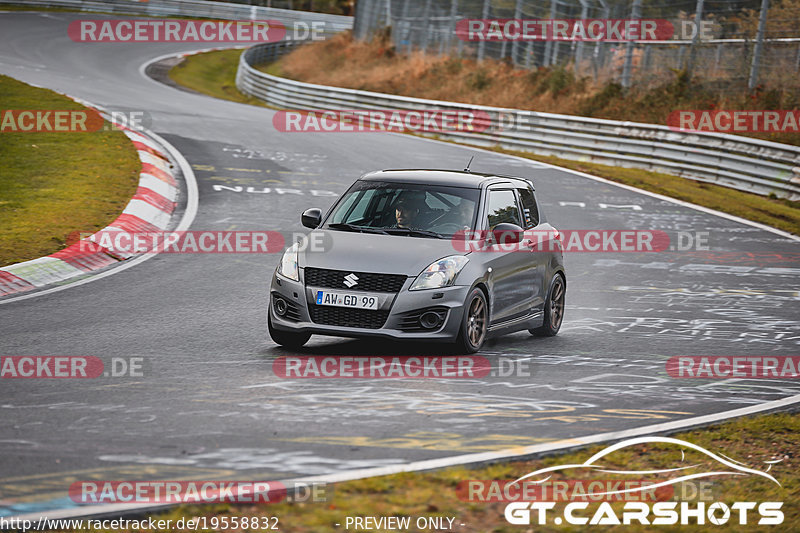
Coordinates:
(416,210)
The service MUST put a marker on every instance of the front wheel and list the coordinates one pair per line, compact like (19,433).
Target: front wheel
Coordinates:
(289,339)
(553,309)
(475,322)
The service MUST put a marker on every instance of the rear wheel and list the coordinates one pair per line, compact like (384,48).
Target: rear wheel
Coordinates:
(289,339)
(553,309)
(475,322)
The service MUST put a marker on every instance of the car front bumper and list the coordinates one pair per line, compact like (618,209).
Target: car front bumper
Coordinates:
(399,305)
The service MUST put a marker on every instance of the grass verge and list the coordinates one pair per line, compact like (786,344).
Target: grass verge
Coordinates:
(214,73)
(752,441)
(55,184)
(377,66)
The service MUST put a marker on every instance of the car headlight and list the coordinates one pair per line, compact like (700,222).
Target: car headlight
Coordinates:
(441,273)
(288,265)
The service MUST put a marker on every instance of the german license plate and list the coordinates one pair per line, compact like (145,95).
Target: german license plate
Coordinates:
(346,299)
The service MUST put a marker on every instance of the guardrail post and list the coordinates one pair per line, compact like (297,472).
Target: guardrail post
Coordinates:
(515,44)
(528,54)
(426,26)
(598,56)
(762,23)
(636,11)
(579,47)
(405,34)
(698,18)
(482,43)
(548,47)
(644,66)
(360,22)
(453,22)
(797,63)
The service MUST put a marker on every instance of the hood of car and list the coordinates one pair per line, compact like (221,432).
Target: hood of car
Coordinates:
(366,252)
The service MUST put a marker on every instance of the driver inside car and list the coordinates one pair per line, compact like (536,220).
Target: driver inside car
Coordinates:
(407,209)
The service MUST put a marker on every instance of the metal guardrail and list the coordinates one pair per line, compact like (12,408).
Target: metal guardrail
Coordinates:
(197,9)
(742,163)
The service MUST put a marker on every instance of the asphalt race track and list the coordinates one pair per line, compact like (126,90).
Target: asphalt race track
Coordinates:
(210,406)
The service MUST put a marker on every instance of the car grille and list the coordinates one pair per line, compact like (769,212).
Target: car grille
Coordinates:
(342,316)
(367,281)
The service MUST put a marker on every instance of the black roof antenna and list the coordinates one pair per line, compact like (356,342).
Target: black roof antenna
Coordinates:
(468,164)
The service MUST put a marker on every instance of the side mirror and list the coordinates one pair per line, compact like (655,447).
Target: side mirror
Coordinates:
(507,233)
(311,218)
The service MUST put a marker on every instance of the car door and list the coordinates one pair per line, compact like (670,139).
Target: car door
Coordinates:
(533,246)
(513,266)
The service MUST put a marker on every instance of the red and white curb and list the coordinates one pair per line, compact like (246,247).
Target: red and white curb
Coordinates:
(150,210)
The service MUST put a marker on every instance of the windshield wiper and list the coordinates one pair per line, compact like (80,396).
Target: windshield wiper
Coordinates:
(352,227)
(414,232)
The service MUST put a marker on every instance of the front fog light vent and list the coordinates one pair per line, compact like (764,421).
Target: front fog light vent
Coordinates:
(431,320)
(280,306)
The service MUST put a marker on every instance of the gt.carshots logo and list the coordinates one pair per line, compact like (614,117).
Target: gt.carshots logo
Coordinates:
(593,506)
(171,30)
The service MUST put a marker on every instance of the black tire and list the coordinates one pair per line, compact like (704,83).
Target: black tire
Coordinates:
(553,309)
(289,339)
(475,322)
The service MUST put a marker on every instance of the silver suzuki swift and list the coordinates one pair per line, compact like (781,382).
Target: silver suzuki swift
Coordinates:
(434,255)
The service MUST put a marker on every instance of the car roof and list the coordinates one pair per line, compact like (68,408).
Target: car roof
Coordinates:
(453,178)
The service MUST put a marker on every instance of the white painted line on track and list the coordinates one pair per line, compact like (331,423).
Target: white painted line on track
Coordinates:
(518,453)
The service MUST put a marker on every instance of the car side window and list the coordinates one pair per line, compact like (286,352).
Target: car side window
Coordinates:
(530,211)
(502,208)
(354,209)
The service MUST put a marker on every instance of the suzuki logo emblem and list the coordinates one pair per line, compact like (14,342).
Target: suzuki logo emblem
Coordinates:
(351,280)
